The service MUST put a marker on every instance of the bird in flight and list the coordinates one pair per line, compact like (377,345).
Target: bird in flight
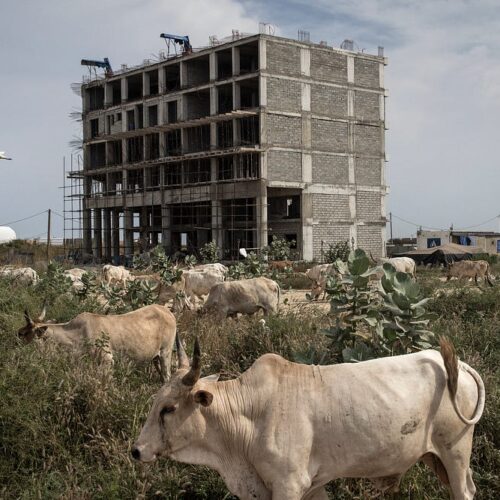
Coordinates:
(3,157)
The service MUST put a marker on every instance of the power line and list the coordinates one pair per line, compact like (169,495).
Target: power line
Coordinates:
(415,224)
(477,225)
(441,229)
(25,218)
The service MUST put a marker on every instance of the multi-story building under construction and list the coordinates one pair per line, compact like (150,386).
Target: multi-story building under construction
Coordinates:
(248,138)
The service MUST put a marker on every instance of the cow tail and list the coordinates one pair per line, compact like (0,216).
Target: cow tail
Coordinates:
(279,292)
(450,360)
(488,275)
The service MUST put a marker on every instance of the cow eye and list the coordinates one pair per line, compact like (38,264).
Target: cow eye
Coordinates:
(167,409)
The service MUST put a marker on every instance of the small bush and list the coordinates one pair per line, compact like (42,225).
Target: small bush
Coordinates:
(338,251)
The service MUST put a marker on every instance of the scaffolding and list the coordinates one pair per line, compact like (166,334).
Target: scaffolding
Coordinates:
(73,206)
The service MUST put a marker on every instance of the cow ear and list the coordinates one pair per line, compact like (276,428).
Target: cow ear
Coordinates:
(210,378)
(204,398)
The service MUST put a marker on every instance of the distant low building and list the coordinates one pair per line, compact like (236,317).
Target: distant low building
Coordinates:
(489,241)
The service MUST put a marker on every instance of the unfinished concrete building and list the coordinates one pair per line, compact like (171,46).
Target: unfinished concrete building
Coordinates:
(252,137)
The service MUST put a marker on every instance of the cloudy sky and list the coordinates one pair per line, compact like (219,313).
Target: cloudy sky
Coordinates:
(443,79)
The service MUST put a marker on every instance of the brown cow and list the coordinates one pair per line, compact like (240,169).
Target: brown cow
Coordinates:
(470,269)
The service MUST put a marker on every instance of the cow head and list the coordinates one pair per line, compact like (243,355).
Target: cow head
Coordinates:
(175,422)
(317,289)
(33,328)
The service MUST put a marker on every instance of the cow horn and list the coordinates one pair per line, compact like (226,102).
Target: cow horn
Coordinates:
(44,312)
(194,374)
(29,321)
(182,358)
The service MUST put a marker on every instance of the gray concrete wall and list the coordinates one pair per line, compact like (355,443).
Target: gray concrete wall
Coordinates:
(284,95)
(286,165)
(330,169)
(329,101)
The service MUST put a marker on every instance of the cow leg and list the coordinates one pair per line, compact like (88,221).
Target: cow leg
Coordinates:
(165,364)
(459,474)
(156,364)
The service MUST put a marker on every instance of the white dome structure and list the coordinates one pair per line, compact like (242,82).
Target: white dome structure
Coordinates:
(6,234)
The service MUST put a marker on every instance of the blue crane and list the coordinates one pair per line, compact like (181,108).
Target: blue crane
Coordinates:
(181,40)
(99,64)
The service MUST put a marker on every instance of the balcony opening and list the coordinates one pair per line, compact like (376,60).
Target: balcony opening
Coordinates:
(197,71)
(173,143)
(114,153)
(95,97)
(172,77)
(152,146)
(249,58)
(197,104)
(94,128)
(134,83)
(172,112)
(135,181)
(97,156)
(284,207)
(224,64)
(173,174)
(115,183)
(249,131)
(196,171)
(198,139)
(153,178)
(225,134)
(116,91)
(249,93)
(225,98)
(135,149)
(152,116)
(153,82)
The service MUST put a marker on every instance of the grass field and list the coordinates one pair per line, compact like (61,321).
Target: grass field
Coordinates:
(66,426)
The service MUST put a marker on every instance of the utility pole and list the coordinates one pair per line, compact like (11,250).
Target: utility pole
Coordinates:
(49,213)
(390,223)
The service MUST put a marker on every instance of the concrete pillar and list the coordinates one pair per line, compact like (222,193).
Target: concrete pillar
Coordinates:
(124,85)
(235,56)
(262,54)
(214,100)
(97,250)
(107,233)
(236,96)
(145,84)
(128,232)
(162,86)
(212,58)
(108,95)
(183,74)
(115,235)
(307,226)
(166,233)
(261,211)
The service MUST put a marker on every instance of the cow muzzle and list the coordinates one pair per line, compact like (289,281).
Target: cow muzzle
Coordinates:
(141,454)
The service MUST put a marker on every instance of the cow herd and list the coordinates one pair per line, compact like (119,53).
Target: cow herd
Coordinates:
(282,430)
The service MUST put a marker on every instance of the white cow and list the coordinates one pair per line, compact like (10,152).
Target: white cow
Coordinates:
(75,275)
(111,274)
(143,335)
(221,268)
(22,275)
(319,276)
(282,430)
(244,296)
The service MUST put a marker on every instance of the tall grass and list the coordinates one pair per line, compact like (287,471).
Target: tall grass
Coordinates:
(66,425)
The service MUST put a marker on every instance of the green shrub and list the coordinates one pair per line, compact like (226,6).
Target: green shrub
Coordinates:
(210,252)
(338,251)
